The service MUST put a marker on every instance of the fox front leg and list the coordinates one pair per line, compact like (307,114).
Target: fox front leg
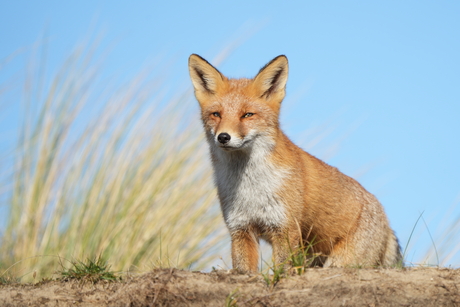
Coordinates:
(245,251)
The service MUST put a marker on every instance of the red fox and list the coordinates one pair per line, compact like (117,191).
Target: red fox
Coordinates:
(271,189)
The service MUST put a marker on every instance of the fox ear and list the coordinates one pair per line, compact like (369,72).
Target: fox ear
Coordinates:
(271,80)
(205,77)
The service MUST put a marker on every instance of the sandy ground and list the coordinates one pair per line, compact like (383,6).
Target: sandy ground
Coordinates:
(317,287)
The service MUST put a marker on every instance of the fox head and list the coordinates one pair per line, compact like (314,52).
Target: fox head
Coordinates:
(236,112)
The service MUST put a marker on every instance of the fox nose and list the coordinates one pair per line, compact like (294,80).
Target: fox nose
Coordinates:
(223,138)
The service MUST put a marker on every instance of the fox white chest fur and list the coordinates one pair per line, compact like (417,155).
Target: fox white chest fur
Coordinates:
(248,184)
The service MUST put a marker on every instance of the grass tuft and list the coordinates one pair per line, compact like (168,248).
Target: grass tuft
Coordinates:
(302,257)
(8,280)
(277,271)
(232,298)
(92,270)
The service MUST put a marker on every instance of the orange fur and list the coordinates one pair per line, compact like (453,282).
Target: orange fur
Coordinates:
(269,188)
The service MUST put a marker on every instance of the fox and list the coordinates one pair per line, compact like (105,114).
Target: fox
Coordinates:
(270,189)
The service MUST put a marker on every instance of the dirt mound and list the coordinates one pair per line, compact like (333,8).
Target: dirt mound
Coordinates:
(317,287)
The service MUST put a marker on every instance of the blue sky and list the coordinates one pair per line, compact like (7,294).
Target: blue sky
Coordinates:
(383,76)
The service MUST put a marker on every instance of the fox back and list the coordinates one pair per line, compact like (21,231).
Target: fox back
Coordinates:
(271,189)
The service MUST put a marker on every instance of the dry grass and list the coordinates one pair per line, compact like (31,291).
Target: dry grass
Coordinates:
(119,173)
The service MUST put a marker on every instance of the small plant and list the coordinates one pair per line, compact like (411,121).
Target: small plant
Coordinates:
(410,237)
(8,280)
(272,279)
(90,270)
(302,258)
(299,259)
(231,299)
(401,263)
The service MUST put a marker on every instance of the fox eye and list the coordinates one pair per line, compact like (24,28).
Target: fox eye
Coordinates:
(248,115)
(216,114)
